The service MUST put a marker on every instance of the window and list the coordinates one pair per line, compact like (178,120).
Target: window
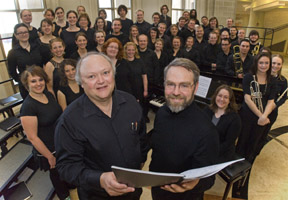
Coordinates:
(178,6)
(111,6)
(10,16)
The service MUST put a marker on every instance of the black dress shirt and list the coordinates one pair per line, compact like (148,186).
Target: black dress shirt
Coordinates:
(221,61)
(123,38)
(230,65)
(143,27)
(126,24)
(166,20)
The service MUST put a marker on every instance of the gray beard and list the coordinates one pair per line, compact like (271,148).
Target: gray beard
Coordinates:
(179,108)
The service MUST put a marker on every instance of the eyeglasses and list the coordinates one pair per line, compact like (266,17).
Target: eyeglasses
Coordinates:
(22,33)
(183,87)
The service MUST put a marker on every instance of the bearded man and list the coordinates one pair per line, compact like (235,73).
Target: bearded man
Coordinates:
(183,137)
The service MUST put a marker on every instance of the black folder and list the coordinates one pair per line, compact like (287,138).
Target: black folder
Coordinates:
(9,123)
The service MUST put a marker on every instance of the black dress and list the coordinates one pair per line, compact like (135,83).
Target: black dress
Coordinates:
(163,62)
(56,76)
(45,52)
(69,94)
(124,76)
(69,40)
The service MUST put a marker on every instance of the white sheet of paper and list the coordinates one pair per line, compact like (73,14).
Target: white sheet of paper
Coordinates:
(204,84)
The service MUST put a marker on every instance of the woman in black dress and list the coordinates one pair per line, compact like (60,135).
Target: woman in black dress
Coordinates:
(57,48)
(123,76)
(81,41)
(153,35)
(99,40)
(50,15)
(102,13)
(68,35)
(140,87)
(23,54)
(60,18)
(39,114)
(100,25)
(176,51)
(256,117)
(162,57)
(223,114)
(134,34)
(84,22)
(69,89)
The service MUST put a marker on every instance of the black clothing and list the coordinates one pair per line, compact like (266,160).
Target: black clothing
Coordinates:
(209,56)
(56,30)
(19,58)
(108,27)
(122,38)
(200,46)
(126,24)
(33,36)
(167,42)
(207,31)
(246,65)
(186,33)
(167,20)
(236,42)
(252,48)
(45,52)
(221,61)
(69,94)
(137,69)
(63,28)
(75,55)
(90,35)
(69,40)
(143,27)
(151,65)
(228,128)
(183,141)
(163,62)
(193,55)
(88,143)
(123,77)
(179,54)
(56,75)
(252,135)
(235,39)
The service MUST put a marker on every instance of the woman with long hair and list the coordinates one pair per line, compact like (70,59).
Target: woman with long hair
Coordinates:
(102,13)
(153,34)
(100,25)
(257,106)
(162,57)
(84,23)
(69,89)
(134,34)
(99,37)
(176,51)
(81,41)
(60,18)
(223,114)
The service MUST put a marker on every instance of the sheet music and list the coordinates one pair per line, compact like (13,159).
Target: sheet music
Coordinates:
(204,84)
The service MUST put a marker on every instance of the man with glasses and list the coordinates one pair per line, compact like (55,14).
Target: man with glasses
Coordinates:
(223,55)
(183,138)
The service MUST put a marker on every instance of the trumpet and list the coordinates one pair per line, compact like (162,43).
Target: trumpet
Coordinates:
(256,95)
(238,65)
(256,49)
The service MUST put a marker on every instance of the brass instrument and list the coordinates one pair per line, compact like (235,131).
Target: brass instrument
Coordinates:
(238,65)
(256,49)
(281,96)
(256,95)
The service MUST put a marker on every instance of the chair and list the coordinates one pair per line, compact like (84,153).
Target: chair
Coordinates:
(233,173)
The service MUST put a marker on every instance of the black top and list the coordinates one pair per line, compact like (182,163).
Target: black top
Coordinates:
(63,28)
(45,52)
(179,54)
(163,62)
(69,40)
(108,27)
(88,143)
(19,58)
(166,20)
(138,69)
(246,65)
(228,128)
(126,24)
(123,38)
(183,141)
(124,77)
(281,87)
(47,115)
(167,42)
(193,55)
(33,36)
(221,61)
(207,32)
(90,35)
(210,55)
(75,55)
(186,33)
(69,94)
(56,76)
(143,27)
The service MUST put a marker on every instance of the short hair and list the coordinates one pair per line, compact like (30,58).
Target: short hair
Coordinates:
(18,26)
(144,35)
(117,19)
(33,71)
(153,29)
(185,63)
(266,49)
(204,17)
(234,27)
(136,49)
(244,40)
(119,55)
(81,34)
(140,10)
(161,8)
(84,15)
(160,40)
(253,32)
(232,106)
(59,8)
(71,11)
(56,40)
(199,27)
(120,7)
(181,18)
(24,11)
(47,21)
(162,23)
(254,66)
(82,59)
(102,10)
(63,78)
(226,39)
(156,13)
(49,10)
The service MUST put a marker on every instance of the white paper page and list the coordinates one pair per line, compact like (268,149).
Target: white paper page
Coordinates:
(204,84)
(204,172)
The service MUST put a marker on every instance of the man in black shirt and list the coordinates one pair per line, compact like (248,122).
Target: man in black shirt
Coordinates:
(116,32)
(189,31)
(223,55)
(210,53)
(241,36)
(156,19)
(101,128)
(205,22)
(233,34)
(255,46)
(167,41)
(183,138)
(125,22)
(143,26)
(164,17)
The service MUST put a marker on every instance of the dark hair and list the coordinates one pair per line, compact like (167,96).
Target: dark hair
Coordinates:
(181,18)
(117,19)
(95,24)
(120,7)
(176,38)
(254,67)
(161,8)
(63,78)
(244,40)
(57,8)
(71,11)
(153,29)
(84,15)
(80,34)
(204,17)
(232,106)
(33,71)
(130,32)
(156,13)
(212,18)
(253,32)
(18,26)
(102,10)
(191,16)
(266,49)
(47,21)
(49,10)
(120,47)
(226,39)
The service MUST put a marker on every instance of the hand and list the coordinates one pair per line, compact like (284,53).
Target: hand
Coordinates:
(113,188)
(263,120)
(52,162)
(145,93)
(240,75)
(213,66)
(181,187)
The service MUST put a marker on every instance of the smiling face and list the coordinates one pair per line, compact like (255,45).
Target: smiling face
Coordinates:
(81,42)
(49,15)
(97,78)
(100,38)
(72,19)
(263,64)
(158,46)
(100,23)
(174,30)
(70,72)
(276,65)
(153,34)
(116,26)
(222,99)
(22,34)
(112,50)
(83,22)
(176,43)
(46,28)
(57,49)
(130,51)
(26,17)
(213,38)
(60,14)
(134,32)
(143,42)
(36,84)
(140,16)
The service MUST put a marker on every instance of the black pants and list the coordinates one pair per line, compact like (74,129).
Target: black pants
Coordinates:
(61,187)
